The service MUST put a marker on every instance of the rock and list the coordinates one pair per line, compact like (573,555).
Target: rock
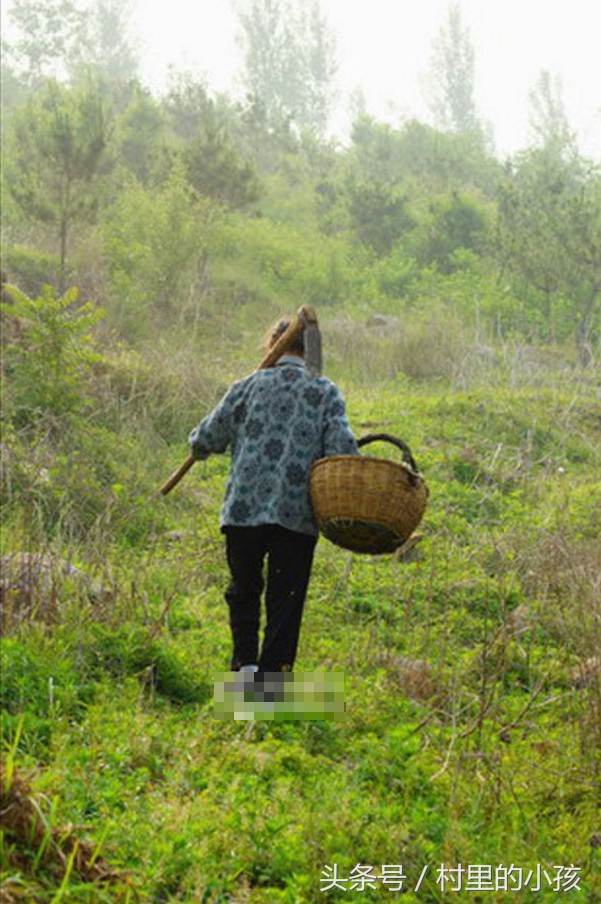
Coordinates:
(382,323)
(176,537)
(519,620)
(413,676)
(586,673)
(31,584)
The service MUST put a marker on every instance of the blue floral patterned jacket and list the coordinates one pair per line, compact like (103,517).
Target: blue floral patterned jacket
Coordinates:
(276,422)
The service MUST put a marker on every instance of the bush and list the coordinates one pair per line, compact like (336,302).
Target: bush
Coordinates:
(155,242)
(289,263)
(130,650)
(419,346)
(32,270)
(48,365)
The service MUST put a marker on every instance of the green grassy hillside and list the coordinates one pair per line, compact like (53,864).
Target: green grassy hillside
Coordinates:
(473,679)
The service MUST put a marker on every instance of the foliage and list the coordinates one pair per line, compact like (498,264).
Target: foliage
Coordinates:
(57,146)
(203,127)
(107,47)
(549,219)
(289,264)
(215,170)
(139,137)
(453,68)
(187,105)
(32,269)
(58,38)
(156,241)
(49,33)
(428,160)
(289,63)
(455,224)
(48,365)
(448,287)
(548,117)
(63,471)
(379,215)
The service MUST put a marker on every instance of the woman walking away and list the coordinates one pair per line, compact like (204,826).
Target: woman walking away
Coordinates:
(276,423)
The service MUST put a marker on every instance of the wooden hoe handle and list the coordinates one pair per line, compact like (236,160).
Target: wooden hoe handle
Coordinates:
(304,316)
(177,475)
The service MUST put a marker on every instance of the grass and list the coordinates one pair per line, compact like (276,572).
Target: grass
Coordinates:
(473,732)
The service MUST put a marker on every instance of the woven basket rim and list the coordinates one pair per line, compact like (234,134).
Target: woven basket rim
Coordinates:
(366,459)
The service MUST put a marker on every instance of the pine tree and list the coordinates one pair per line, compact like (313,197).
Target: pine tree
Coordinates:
(57,145)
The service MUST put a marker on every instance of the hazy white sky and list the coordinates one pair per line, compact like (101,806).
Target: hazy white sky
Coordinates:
(384,47)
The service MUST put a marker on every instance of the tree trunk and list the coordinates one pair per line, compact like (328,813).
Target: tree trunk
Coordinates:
(64,230)
(63,253)
(583,333)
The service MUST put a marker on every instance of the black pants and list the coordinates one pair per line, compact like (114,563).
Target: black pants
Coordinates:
(289,558)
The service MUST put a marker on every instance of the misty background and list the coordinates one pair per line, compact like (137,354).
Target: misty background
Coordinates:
(383,56)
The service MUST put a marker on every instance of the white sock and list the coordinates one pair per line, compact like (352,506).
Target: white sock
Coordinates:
(249,668)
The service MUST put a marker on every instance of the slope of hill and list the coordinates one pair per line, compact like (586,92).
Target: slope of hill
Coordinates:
(472,732)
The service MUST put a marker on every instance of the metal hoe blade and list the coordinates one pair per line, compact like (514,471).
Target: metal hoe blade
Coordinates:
(312,340)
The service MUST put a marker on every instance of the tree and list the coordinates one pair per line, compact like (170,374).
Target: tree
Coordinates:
(548,118)
(289,62)
(429,160)
(215,170)
(57,38)
(550,237)
(456,223)
(377,201)
(394,176)
(453,102)
(550,219)
(14,91)
(579,233)
(379,215)
(188,105)
(108,46)
(201,126)
(156,243)
(58,143)
(50,32)
(140,135)
(320,62)
(53,353)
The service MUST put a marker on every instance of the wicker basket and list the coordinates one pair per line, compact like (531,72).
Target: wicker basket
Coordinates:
(368,504)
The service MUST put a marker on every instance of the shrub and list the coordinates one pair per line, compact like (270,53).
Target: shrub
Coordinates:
(31,270)
(48,364)
(155,242)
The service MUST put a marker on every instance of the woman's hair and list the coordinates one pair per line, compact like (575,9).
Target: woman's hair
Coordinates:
(278,329)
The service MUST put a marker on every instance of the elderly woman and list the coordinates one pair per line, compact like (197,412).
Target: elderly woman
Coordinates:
(276,423)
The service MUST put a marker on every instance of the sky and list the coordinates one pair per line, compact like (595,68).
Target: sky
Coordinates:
(385,47)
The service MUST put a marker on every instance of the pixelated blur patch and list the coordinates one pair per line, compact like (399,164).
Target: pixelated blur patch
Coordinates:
(280,696)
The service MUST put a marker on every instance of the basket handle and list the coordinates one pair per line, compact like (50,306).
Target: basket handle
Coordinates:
(386,437)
